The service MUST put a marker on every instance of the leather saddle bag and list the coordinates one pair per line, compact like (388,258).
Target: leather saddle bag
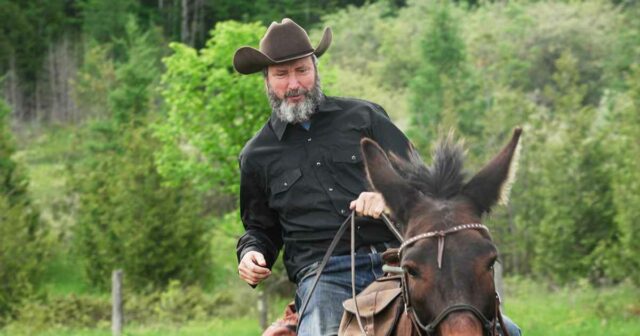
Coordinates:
(380,307)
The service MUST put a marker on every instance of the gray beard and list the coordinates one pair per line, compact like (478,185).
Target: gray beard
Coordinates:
(300,112)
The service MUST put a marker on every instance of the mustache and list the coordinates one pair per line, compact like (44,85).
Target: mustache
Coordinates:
(296,92)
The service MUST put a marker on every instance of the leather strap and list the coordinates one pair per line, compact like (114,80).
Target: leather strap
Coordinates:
(323,263)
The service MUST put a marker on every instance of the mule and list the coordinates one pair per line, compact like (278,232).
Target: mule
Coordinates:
(446,260)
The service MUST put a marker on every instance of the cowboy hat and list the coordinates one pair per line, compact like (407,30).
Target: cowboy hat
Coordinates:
(281,43)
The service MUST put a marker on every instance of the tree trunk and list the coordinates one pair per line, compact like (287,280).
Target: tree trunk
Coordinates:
(184,33)
(13,89)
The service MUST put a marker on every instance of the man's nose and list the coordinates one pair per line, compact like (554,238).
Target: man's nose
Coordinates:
(293,82)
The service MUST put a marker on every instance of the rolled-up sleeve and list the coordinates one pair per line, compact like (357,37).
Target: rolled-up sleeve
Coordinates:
(261,224)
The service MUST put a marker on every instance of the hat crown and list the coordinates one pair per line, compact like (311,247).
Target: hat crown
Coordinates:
(284,40)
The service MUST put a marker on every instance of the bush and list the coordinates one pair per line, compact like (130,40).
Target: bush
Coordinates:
(128,218)
(22,234)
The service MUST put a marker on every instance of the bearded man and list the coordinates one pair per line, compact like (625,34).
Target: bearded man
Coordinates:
(302,174)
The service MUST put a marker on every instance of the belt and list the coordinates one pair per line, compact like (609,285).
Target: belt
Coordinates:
(373,248)
(363,249)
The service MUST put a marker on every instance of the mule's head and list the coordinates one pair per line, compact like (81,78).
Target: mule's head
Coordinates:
(436,198)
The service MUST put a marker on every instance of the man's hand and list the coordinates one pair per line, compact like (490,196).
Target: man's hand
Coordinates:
(252,268)
(368,204)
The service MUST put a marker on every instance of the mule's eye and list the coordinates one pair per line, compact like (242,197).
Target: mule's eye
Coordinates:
(411,270)
(492,263)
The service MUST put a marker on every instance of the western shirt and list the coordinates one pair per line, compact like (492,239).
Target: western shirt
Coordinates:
(296,184)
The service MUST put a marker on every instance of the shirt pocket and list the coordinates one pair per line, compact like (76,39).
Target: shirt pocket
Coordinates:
(348,170)
(281,189)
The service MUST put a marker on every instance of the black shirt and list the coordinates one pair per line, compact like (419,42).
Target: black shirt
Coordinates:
(296,184)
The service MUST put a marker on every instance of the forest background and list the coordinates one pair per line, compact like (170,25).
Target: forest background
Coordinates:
(121,122)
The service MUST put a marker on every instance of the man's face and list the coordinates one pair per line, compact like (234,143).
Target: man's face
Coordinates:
(293,89)
(289,80)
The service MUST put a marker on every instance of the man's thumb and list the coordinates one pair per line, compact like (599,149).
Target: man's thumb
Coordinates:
(259,259)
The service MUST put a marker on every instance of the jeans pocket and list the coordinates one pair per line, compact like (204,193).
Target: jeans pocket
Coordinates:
(306,272)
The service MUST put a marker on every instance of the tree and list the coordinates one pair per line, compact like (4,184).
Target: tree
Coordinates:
(212,110)
(620,132)
(22,234)
(443,91)
(576,217)
(128,217)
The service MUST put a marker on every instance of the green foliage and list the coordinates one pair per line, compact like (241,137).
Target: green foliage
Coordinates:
(442,89)
(518,44)
(359,63)
(576,214)
(27,28)
(622,164)
(106,20)
(212,110)
(94,81)
(177,305)
(127,218)
(22,235)
(135,77)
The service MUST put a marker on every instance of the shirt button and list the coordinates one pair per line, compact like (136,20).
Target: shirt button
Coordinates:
(330,189)
(285,184)
(353,157)
(318,164)
(343,211)
(309,140)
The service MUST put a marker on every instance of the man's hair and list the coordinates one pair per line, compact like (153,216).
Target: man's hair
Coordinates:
(265,71)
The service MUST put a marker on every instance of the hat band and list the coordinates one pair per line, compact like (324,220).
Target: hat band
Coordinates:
(294,56)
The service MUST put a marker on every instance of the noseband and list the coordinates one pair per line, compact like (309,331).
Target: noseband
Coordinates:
(489,326)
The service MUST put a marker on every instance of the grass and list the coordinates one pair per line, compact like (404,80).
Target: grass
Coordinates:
(236,327)
(579,309)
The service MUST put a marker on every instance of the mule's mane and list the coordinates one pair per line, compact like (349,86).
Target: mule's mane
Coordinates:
(444,178)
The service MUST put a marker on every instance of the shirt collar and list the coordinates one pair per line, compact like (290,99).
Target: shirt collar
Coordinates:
(278,126)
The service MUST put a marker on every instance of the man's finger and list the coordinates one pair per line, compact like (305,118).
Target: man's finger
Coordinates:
(368,206)
(359,205)
(259,259)
(253,267)
(377,211)
(259,270)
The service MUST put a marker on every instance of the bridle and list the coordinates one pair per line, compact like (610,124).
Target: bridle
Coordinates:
(489,326)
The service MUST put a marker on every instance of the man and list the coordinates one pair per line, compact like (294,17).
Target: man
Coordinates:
(302,174)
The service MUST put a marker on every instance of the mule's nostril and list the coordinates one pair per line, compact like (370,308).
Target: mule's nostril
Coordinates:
(459,324)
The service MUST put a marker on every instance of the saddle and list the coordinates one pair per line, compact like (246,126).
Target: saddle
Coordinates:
(381,306)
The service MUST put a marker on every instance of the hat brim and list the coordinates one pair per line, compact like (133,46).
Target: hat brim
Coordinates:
(248,60)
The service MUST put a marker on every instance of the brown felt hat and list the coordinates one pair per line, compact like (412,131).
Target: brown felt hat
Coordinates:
(281,43)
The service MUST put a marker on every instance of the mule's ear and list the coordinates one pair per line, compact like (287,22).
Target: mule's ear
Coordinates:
(399,196)
(493,183)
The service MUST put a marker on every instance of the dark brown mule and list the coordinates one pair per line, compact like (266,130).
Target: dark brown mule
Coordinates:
(448,255)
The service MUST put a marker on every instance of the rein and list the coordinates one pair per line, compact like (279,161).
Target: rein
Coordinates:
(350,221)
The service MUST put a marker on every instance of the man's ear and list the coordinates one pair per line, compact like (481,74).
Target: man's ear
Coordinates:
(398,194)
(493,182)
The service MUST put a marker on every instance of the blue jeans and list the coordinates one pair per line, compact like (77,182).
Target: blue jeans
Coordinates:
(324,311)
